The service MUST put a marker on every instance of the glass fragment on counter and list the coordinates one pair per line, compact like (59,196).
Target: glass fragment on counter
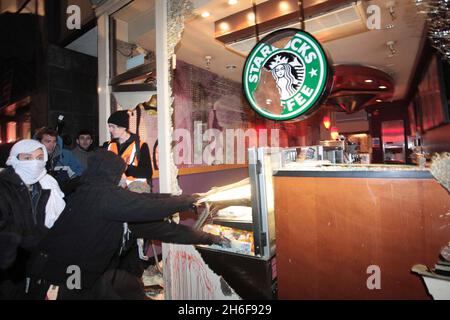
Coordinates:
(440,169)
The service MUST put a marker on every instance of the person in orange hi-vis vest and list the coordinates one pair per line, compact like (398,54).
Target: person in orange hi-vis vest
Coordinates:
(139,168)
(130,148)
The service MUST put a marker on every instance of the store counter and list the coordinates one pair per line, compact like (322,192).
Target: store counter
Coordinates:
(354,231)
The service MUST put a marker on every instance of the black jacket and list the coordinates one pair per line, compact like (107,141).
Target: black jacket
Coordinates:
(20,222)
(89,232)
(171,232)
(22,226)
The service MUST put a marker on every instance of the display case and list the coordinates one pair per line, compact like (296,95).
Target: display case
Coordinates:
(244,213)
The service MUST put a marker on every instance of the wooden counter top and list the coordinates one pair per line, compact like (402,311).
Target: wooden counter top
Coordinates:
(355,171)
(358,174)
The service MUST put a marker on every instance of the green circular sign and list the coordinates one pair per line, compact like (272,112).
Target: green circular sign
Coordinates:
(288,82)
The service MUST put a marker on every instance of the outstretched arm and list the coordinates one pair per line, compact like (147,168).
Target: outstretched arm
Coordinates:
(124,205)
(171,232)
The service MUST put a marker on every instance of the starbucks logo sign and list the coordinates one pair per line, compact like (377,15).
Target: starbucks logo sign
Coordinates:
(287,82)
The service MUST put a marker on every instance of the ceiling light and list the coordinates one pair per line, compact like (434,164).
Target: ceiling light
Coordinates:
(368,81)
(334,131)
(326,122)
(231,2)
(378,100)
(283,6)
(382,87)
(205,14)
(241,38)
(224,26)
(251,17)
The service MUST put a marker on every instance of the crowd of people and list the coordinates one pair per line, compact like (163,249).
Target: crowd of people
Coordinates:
(70,224)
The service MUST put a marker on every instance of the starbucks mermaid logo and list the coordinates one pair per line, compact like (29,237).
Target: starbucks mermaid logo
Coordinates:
(282,83)
(288,73)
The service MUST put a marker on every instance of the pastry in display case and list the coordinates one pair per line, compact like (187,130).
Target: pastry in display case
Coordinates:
(228,213)
(241,240)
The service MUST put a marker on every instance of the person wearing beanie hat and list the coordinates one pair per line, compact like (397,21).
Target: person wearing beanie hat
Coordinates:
(120,119)
(139,168)
(130,148)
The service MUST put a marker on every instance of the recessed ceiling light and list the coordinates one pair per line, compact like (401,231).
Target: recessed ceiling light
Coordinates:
(382,87)
(368,81)
(224,26)
(283,5)
(205,14)
(231,2)
(378,100)
(251,17)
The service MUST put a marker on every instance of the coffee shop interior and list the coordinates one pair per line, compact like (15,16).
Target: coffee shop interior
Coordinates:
(359,186)
(388,99)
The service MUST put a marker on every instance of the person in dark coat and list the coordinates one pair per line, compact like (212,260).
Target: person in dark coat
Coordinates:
(5,148)
(91,233)
(30,203)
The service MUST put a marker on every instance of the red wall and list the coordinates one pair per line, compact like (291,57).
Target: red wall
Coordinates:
(386,112)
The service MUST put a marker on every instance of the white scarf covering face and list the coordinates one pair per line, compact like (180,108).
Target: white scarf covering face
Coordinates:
(32,171)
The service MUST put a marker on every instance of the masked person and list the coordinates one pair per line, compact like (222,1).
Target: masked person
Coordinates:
(130,148)
(30,203)
(92,231)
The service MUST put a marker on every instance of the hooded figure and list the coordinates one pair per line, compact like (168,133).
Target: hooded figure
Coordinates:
(91,232)
(30,203)
(34,171)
